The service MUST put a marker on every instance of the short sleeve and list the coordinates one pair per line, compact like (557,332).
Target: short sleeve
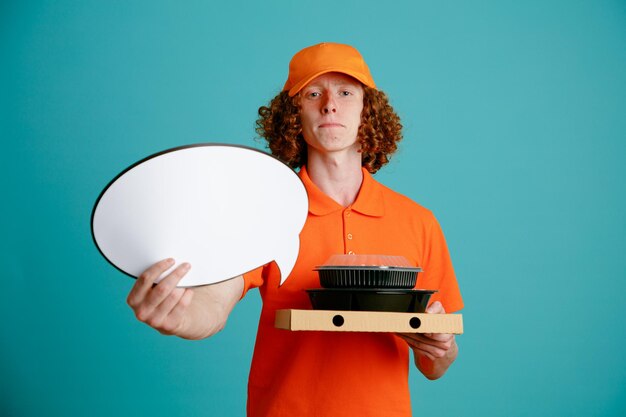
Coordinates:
(253,279)
(438,271)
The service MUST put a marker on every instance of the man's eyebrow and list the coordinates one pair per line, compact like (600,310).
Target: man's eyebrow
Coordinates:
(348,83)
(340,83)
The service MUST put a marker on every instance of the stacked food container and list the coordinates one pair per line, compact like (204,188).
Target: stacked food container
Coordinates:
(369,283)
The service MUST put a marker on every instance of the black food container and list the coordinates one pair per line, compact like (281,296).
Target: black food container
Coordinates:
(353,299)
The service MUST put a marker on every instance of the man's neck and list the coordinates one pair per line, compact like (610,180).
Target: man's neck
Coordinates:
(338,176)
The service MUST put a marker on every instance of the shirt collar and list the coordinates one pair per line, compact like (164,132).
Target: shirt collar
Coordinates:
(369,201)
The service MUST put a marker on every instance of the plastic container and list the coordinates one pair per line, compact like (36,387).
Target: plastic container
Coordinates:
(402,301)
(368,271)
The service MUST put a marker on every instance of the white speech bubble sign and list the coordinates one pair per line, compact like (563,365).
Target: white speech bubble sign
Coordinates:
(225,209)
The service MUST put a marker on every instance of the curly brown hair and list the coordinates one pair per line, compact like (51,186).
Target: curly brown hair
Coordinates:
(380,129)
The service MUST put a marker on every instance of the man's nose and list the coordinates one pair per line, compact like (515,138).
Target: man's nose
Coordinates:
(329,105)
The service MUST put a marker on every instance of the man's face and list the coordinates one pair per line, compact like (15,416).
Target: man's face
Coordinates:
(330,113)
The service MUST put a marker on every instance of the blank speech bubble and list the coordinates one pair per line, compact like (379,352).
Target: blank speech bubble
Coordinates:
(225,209)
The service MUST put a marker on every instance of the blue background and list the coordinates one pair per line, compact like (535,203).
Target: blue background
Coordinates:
(515,132)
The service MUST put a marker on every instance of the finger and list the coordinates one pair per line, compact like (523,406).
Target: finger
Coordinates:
(145,281)
(407,338)
(176,316)
(424,353)
(432,350)
(155,296)
(436,308)
(160,313)
(440,341)
(429,337)
(437,337)
(164,288)
(403,336)
(429,351)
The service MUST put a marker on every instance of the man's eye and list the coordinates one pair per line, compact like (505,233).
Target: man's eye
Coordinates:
(314,94)
(345,93)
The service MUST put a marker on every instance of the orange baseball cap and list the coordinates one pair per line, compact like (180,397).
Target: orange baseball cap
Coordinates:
(325,57)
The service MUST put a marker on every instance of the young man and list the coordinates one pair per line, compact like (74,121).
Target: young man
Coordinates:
(332,123)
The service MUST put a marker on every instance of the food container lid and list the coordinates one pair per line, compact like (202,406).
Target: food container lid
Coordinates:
(354,261)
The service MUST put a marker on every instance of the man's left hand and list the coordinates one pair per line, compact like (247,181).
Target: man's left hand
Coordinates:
(439,349)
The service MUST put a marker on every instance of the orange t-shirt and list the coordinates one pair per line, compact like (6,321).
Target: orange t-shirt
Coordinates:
(338,374)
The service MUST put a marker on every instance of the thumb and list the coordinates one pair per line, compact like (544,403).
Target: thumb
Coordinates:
(436,308)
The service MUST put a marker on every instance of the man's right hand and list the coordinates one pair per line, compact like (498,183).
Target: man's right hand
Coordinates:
(191,313)
(162,306)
